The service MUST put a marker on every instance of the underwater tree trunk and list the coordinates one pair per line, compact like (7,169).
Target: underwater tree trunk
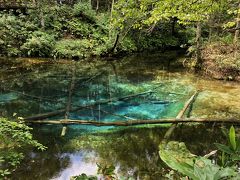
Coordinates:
(62,111)
(28,95)
(70,92)
(69,102)
(180,115)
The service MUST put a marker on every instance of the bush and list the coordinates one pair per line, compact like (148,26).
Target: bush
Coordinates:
(39,44)
(127,45)
(13,33)
(14,137)
(79,28)
(70,48)
(84,10)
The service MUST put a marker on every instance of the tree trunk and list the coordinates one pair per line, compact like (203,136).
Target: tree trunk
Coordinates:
(112,9)
(211,28)
(173,25)
(42,20)
(198,46)
(115,45)
(136,122)
(236,36)
(97,6)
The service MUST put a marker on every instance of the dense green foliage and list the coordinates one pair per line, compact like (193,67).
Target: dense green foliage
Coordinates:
(15,136)
(80,29)
(75,31)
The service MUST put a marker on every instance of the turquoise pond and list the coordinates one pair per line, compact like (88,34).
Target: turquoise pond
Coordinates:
(156,86)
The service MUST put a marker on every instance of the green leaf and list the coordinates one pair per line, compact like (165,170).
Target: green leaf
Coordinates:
(224,148)
(177,156)
(232,138)
(225,172)
(223,158)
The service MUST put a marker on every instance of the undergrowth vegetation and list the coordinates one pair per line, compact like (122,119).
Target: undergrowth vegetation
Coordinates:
(15,138)
(222,59)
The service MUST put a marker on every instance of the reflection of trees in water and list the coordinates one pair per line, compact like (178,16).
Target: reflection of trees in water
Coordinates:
(134,151)
(41,166)
(47,164)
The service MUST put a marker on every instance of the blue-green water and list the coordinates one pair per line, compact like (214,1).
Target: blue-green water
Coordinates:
(31,88)
(35,86)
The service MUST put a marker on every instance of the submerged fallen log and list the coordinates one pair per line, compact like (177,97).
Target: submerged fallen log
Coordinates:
(105,101)
(181,114)
(187,104)
(135,122)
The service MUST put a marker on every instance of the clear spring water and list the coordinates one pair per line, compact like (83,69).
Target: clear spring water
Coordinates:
(35,86)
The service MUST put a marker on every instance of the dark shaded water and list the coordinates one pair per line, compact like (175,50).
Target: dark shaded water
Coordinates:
(33,86)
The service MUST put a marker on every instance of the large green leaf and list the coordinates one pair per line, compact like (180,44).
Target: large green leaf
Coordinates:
(179,158)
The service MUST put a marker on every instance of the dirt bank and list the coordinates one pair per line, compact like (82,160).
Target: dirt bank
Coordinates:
(221,61)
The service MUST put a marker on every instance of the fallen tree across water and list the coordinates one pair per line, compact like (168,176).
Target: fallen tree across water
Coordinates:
(135,122)
(105,101)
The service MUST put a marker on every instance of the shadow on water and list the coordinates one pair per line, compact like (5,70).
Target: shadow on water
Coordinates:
(35,86)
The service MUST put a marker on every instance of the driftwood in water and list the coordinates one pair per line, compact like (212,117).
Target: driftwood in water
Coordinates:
(105,101)
(180,115)
(135,122)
